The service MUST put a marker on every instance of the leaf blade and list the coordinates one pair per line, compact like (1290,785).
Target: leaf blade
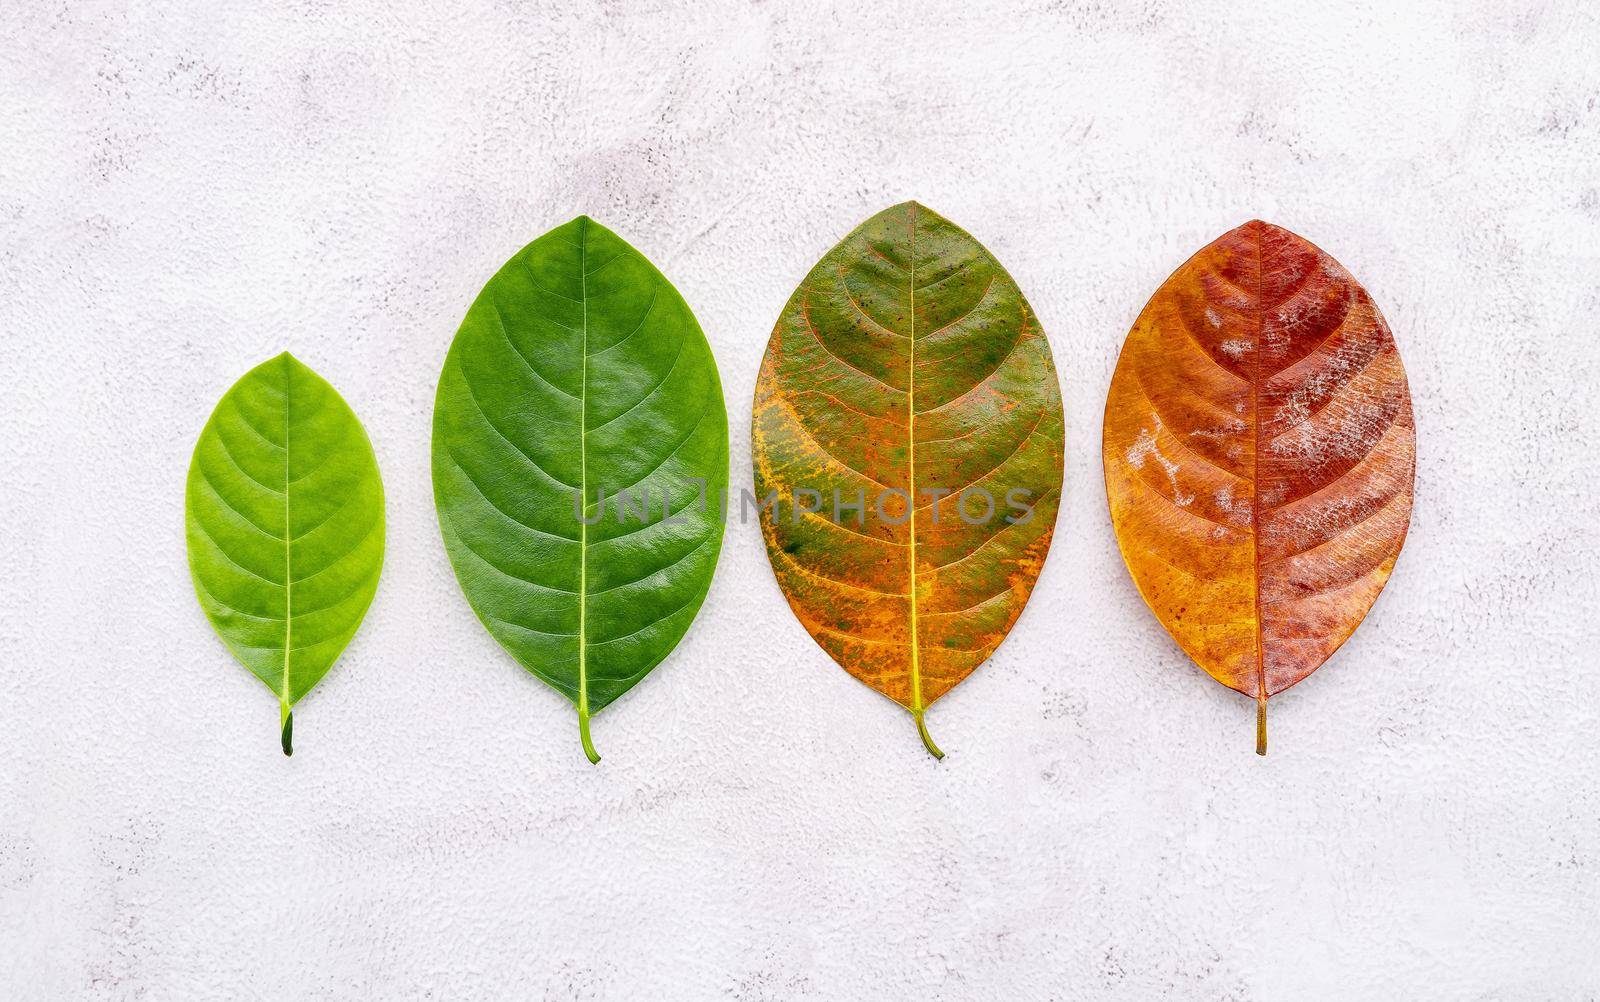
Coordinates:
(284,520)
(580,371)
(908,359)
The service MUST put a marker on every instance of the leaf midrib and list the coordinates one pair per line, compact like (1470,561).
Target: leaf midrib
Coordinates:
(1255,470)
(911,462)
(583,475)
(288,541)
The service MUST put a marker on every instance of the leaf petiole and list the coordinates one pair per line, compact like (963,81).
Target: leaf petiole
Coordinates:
(286,722)
(583,732)
(927,740)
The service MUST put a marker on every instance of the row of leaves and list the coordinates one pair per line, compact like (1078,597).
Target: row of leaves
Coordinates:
(1258,451)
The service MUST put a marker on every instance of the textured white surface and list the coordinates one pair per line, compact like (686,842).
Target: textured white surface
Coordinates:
(183,195)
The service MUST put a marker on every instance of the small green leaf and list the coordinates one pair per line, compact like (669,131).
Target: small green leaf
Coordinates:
(580,372)
(285,527)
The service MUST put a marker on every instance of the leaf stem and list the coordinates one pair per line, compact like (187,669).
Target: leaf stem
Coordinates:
(1261,724)
(927,740)
(286,722)
(583,732)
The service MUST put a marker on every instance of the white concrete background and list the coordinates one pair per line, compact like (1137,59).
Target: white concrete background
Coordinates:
(184,194)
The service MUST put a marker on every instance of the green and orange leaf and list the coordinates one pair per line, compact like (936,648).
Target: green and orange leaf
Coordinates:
(908,360)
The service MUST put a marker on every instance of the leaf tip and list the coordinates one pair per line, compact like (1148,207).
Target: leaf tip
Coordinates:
(286,367)
(1259,229)
(582,222)
(287,734)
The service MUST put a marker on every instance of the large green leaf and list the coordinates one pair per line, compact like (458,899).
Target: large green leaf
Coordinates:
(579,371)
(285,526)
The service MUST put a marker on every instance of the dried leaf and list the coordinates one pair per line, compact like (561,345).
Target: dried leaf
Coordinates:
(907,362)
(1259,453)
